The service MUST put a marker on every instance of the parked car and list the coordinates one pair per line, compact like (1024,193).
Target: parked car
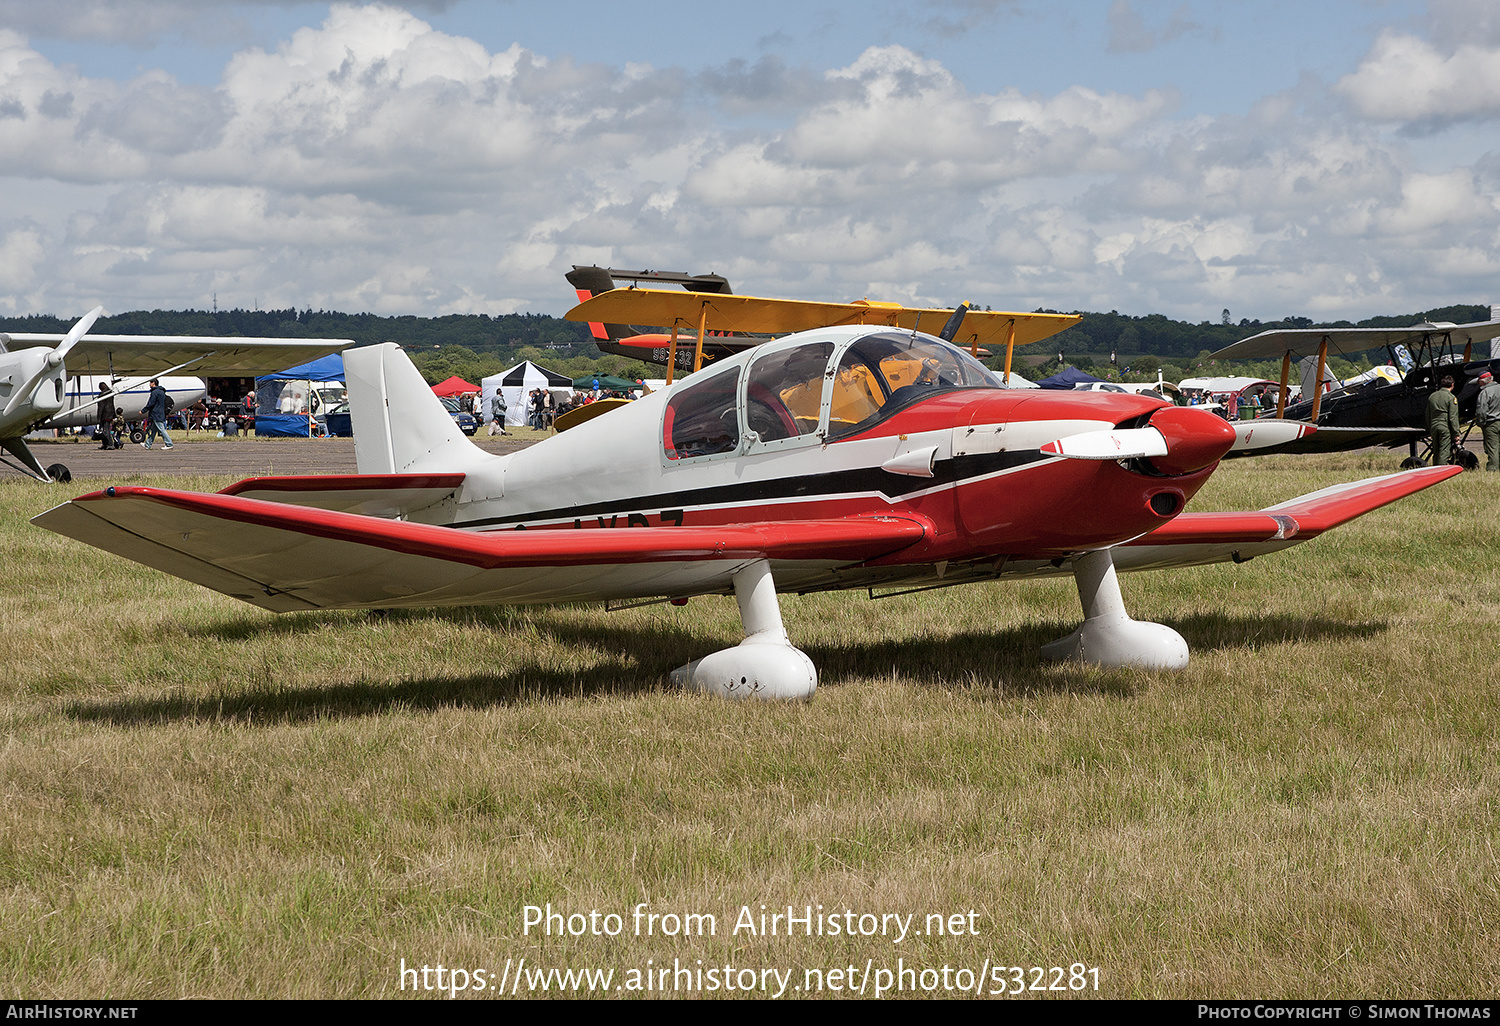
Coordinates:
(463,418)
(337,421)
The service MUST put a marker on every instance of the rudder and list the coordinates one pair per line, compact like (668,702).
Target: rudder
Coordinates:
(400,426)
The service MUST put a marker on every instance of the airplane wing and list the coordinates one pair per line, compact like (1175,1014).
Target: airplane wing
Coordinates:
(149,354)
(1305,341)
(1197,538)
(285,558)
(783,316)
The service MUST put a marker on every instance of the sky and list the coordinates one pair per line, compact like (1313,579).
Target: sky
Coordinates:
(1331,160)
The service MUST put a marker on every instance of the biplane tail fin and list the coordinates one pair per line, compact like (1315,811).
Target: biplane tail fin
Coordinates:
(400,426)
(589,282)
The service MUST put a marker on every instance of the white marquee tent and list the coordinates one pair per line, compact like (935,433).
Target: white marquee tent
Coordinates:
(517,383)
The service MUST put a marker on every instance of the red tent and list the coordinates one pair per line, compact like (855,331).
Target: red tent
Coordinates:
(454,386)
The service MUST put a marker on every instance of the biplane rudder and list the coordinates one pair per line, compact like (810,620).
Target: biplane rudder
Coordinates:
(400,426)
(589,282)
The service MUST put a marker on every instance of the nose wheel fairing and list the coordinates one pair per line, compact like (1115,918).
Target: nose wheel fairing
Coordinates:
(1108,637)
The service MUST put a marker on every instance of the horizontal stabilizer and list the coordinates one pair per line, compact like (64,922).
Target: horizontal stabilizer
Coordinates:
(373,495)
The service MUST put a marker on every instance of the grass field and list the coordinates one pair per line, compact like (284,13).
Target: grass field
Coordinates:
(203,799)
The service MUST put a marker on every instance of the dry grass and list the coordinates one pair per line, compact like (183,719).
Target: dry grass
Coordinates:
(203,799)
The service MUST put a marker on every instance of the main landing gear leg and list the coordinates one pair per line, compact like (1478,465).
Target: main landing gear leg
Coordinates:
(764,665)
(1108,636)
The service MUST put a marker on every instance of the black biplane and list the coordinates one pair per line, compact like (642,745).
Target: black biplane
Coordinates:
(1377,411)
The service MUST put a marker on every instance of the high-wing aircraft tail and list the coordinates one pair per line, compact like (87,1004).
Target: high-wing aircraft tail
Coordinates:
(400,426)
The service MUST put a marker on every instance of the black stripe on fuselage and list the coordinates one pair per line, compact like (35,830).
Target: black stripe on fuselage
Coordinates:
(862,480)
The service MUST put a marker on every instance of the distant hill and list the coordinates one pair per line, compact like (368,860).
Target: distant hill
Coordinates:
(479,332)
(1099,333)
(468,345)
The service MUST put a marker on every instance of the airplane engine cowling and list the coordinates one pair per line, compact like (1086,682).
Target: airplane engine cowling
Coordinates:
(1195,439)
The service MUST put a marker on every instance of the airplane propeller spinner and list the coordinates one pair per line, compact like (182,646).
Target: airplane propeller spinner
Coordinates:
(1176,440)
(50,363)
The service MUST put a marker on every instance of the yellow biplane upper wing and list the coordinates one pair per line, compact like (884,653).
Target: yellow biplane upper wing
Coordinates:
(758,315)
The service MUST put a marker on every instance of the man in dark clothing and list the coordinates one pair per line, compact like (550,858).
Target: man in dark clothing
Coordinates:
(1442,421)
(497,413)
(155,414)
(1487,417)
(107,438)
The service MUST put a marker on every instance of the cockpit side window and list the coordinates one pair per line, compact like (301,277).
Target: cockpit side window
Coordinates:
(784,391)
(703,419)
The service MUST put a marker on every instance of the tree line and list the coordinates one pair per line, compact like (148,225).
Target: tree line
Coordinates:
(472,346)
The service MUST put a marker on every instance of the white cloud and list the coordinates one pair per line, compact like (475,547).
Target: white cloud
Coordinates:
(372,162)
(21,252)
(1407,79)
(144,22)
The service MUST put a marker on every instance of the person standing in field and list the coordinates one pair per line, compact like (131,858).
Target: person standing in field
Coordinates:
(107,438)
(155,414)
(1442,421)
(497,413)
(1487,416)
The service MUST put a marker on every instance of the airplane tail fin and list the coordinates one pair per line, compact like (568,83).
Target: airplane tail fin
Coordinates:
(589,282)
(400,427)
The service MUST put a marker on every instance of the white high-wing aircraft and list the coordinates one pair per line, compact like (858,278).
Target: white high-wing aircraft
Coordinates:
(81,400)
(859,456)
(34,371)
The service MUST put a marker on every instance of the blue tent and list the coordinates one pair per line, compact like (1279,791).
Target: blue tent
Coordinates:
(329,368)
(1068,377)
(292,425)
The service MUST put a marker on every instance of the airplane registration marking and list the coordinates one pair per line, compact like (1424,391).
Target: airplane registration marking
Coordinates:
(667,516)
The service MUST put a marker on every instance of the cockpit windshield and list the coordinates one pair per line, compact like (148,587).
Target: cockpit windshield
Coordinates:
(880,373)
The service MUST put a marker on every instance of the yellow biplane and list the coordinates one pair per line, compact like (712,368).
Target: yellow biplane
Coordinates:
(722,314)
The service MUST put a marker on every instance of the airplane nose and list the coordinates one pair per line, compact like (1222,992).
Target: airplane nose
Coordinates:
(1195,439)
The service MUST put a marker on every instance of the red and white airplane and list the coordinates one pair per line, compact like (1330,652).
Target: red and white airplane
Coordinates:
(852,456)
